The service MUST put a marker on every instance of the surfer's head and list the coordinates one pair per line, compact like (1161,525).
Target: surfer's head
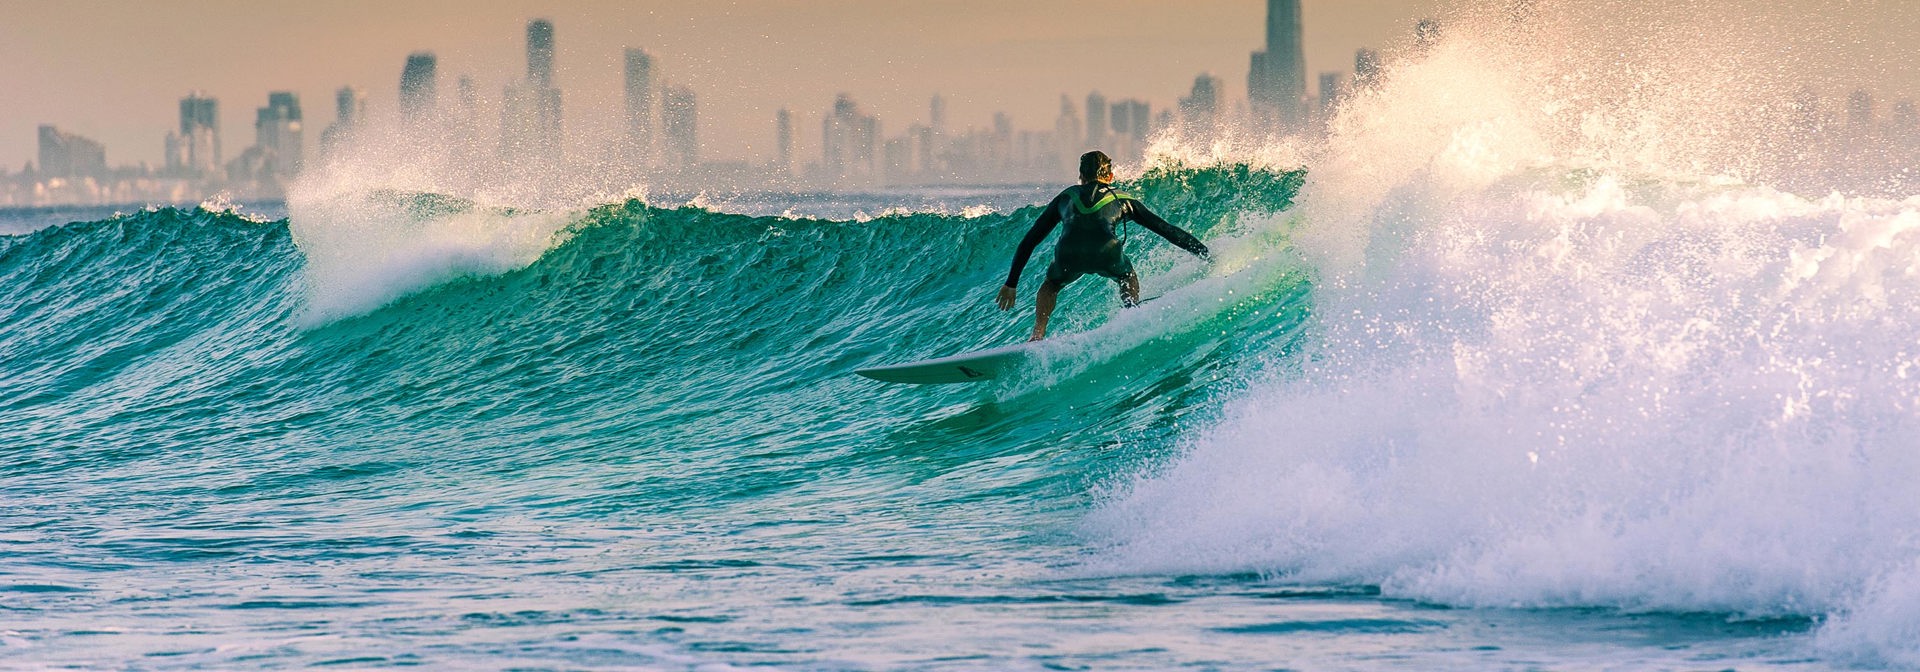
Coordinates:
(1095,166)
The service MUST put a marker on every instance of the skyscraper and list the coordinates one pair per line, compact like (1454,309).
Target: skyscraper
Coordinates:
(783,141)
(1366,68)
(71,156)
(1860,111)
(639,91)
(1067,128)
(1131,119)
(349,105)
(847,141)
(463,124)
(350,110)
(1277,80)
(418,93)
(530,125)
(1200,109)
(540,52)
(196,149)
(1096,120)
(1333,89)
(278,134)
(937,115)
(680,125)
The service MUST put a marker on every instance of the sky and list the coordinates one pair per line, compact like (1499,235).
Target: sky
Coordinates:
(115,71)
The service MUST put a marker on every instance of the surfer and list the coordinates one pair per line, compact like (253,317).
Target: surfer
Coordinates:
(1091,211)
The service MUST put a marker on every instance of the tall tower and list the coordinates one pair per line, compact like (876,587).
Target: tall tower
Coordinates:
(200,133)
(1366,68)
(530,123)
(639,89)
(540,52)
(1201,107)
(67,155)
(418,92)
(350,106)
(1096,120)
(1277,80)
(680,124)
(350,111)
(848,139)
(783,140)
(278,133)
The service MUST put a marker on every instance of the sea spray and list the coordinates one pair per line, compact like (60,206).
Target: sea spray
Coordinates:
(1579,342)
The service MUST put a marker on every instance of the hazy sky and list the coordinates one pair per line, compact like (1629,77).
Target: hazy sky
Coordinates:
(115,71)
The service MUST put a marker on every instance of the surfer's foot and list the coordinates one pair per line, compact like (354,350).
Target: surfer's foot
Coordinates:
(1037,337)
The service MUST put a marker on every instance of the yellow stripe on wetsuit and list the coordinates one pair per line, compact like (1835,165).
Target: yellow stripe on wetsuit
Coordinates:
(1104,202)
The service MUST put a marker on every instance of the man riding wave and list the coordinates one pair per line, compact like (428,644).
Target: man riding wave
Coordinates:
(1092,210)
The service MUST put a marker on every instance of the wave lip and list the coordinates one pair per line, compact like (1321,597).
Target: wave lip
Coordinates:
(365,249)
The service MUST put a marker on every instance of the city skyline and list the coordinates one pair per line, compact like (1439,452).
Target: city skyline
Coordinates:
(854,150)
(1283,92)
(1153,58)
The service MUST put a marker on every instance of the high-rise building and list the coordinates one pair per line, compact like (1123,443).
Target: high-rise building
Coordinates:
(639,90)
(1096,120)
(897,159)
(783,141)
(1905,117)
(937,115)
(680,126)
(462,136)
(278,134)
(1366,68)
(418,93)
(1132,118)
(848,139)
(350,110)
(196,149)
(1277,80)
(1333,89)
(1067,128)
(540,52)
(67,155)
(349,106)
(1200,109)
(1000,144)
(925,155)
(530,124)
(1860,111)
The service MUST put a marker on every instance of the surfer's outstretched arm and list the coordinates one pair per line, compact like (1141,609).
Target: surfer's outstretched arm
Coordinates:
(1041,227)
(1138,212)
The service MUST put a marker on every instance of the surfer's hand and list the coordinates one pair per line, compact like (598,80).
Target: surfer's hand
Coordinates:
(1006,298)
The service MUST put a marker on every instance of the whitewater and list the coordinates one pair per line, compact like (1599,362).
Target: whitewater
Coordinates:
(1567,348)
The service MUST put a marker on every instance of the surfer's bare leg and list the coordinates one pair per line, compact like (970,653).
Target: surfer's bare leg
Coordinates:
(1043,309)
(1129,290)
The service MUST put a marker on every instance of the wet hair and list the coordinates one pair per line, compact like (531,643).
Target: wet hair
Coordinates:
(1095,165)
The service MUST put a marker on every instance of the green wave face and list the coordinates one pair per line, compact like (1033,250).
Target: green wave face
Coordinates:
(665,396)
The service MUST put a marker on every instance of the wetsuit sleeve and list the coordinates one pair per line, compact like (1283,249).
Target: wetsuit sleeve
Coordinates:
(1138,212)
(1041,227)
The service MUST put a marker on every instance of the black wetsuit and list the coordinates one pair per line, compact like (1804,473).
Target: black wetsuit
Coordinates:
(1091,213)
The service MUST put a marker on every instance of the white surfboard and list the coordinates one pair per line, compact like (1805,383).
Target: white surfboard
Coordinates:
(972,367)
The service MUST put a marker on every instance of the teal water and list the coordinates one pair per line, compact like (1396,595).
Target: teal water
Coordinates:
(644,449)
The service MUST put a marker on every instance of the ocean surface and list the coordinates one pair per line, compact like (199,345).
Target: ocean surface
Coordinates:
(1515,370)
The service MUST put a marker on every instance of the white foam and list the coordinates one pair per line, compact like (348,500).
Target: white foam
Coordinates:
(393,214)
(1566,356)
